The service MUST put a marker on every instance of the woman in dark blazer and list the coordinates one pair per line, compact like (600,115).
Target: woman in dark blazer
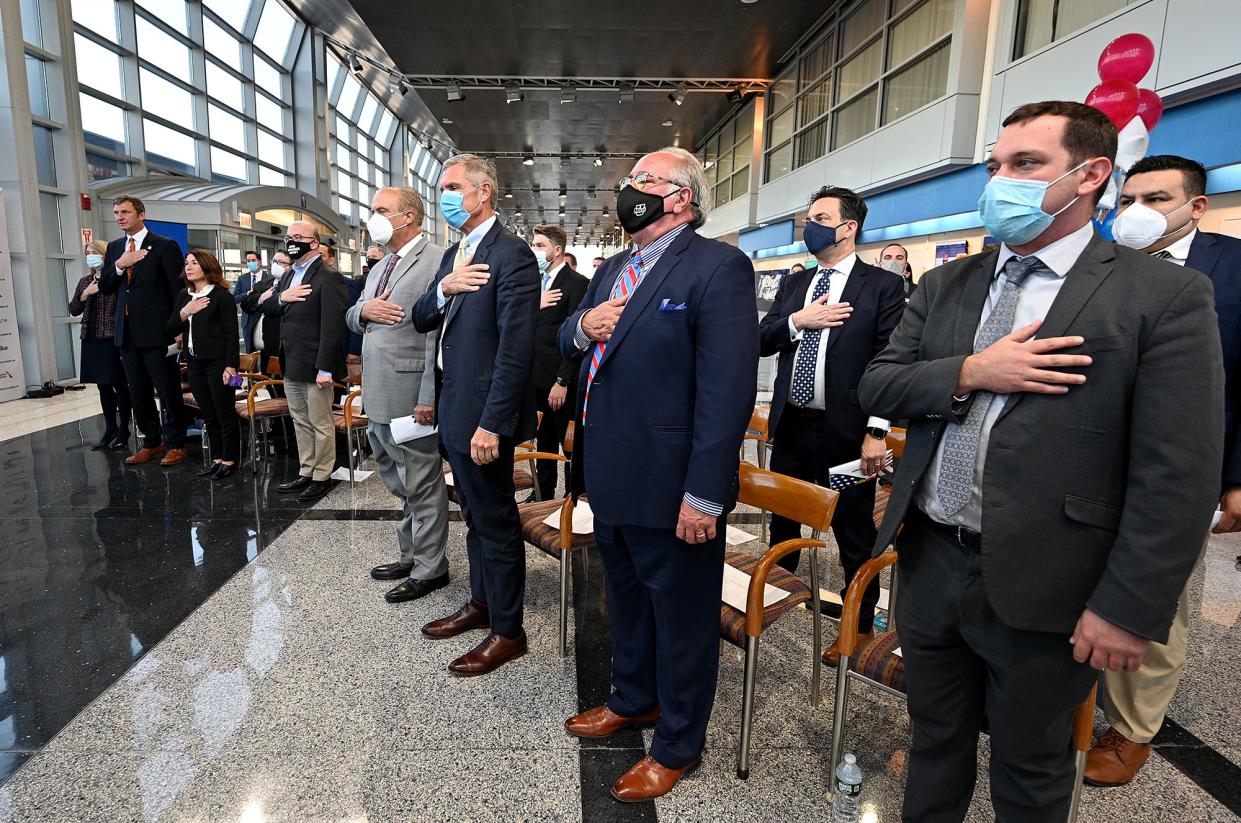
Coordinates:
(205,315)
(101,359)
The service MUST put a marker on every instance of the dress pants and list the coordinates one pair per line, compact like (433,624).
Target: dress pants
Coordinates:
(414,473)
(550,438)
(150,372)
(664,608)
(961,660)
(494,543)
(1135,703)
(801,449)
(217,405)
(311,409)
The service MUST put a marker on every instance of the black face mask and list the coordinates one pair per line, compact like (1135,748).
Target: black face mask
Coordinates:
(636,209)
(296,249)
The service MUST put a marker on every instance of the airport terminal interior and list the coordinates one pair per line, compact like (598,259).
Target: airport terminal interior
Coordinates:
(180,648)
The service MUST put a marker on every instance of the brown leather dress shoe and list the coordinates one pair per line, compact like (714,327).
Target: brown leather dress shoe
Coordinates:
(1114,759)
(831,657)
(648,780)
(602,721)
(144,456)
(473,615)
(173,457)
(489,655)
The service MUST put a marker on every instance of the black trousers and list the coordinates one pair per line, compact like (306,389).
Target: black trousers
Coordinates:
(151,372)
(801,449)
(496,550)
(216,405)
(550,437)
(961,659)
(114,401)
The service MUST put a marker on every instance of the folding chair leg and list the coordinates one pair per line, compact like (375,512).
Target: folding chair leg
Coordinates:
(816,651)
(254,449)
(1080,764)
(349,448)
(838,714)
(564,603)
(892,586)
(747,706)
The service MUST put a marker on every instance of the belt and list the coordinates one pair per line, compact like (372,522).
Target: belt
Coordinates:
(802,411)
(963,537)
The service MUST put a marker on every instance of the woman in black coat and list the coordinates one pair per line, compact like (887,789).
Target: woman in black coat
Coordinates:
(206,318)
(101,359)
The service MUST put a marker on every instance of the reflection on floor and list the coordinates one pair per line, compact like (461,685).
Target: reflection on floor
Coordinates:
(293,692)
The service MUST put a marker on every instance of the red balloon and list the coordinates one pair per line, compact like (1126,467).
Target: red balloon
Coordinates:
(1118,99)
(1128,57)
(1150,107)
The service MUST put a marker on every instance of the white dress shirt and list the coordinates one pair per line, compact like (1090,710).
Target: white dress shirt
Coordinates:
(1033,302)
(840,276)
(471,247)
(1180,249)
(194,295)
(549,276)
(138,239)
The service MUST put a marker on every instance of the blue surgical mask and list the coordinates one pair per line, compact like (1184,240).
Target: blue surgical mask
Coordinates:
(818,238)
(94,261)
(541,256)
(451,208)
(252,266)
(1012,209)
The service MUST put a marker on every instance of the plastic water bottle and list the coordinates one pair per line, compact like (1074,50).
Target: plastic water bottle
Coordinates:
(881,622)
(846,801)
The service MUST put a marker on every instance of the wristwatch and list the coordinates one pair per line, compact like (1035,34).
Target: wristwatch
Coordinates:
(877,433)
(560,382)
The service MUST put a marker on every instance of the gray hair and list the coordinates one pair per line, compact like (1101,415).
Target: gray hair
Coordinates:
(688,172)
(408,199)
(478,170)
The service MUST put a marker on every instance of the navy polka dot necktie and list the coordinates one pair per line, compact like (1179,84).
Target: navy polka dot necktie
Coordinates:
(808,352)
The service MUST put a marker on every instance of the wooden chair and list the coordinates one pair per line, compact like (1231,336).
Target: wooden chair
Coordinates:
(757,430)
(809,505)
(877,664)
(350,422)
(245,365)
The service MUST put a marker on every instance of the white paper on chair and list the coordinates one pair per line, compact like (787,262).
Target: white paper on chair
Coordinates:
(737,586)
(1215,518)
(583,519)
(897,652)
(343,474)
(448,479)
(735,536)
(407,428)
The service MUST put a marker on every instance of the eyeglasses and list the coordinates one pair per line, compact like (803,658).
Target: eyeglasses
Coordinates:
(644,179)
(300,238)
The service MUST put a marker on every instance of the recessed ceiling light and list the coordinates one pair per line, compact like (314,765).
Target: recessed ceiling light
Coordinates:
(528,160)
(447,121)
(667,123)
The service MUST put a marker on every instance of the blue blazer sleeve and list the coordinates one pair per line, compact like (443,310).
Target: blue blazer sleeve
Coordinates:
(564,338)
(427,316)
(517,308)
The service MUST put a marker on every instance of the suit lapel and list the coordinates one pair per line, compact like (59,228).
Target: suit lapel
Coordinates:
(480,256)
(403,265)
(646,290)
(853,287)
(797,293)
(969,307)
(1088,273)
(1203,254)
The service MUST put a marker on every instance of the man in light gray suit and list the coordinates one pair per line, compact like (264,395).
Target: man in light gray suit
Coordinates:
(398,380)
(1066,407)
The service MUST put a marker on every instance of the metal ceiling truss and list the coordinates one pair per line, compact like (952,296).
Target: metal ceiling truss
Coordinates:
(467,82)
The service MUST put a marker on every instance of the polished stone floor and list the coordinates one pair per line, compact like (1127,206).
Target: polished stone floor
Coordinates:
(170,651)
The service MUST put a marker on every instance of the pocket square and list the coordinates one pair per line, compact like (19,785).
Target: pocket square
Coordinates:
(668,305)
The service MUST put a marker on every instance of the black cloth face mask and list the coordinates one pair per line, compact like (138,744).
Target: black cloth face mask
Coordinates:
(636,209)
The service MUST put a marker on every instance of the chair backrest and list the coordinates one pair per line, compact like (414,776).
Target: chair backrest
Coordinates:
(896,443)
(354,377)
(248,362)
(789,497)
(273,366)
(759,421)
(568,438)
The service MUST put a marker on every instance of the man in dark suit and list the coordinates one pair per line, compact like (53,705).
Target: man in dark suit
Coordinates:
(264,334)
(310,300)
(1163,200)
(484,302)
(1054,489)
(826,324)
(676,314)
(555,377)
(144,269)
(895,258)
(245,282)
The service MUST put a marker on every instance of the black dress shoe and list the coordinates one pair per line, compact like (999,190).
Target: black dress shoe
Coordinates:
(119,443)
(315,489)
(294,485)
(226,470)
(392,571)
(412,589)
(103,443)
(210,471)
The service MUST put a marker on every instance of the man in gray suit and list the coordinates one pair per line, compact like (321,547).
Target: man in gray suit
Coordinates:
(398,380)
(1065,398)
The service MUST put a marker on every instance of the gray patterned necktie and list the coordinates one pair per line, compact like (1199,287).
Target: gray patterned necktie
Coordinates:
(956,469)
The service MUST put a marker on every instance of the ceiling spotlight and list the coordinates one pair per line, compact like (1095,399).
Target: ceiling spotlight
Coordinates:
(598,162)
(568,94)
(536,189)
(528,160)
(517,213)
(734,95)
(708,164)
(563,191)
(626,92)
(666,123)
(512,93)
(355,64)
(508,195)
(564,160)
(426,143)
(560,211)
(590,192)
(403,87)
(455,95)
(678,96)
(605,211)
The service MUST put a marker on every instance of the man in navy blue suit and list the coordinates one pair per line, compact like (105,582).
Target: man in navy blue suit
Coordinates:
(485,304)
(669,334)
(827,323)
(1161,204)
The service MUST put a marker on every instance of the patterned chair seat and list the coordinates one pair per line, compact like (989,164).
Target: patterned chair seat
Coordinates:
(542,536)
(338,420)
(732,621)
(522,480)
(877,661)
(277,407)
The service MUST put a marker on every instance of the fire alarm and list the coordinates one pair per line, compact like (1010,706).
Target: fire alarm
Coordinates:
(85,200)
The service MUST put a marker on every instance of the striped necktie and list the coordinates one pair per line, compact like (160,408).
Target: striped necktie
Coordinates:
(388,269)
(623,287)
(1163,254)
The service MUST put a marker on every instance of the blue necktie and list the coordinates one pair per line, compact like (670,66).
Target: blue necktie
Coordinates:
(547,278)
(808,351)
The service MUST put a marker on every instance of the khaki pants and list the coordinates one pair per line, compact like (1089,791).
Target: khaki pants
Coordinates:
(1135,702)
(311,410)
